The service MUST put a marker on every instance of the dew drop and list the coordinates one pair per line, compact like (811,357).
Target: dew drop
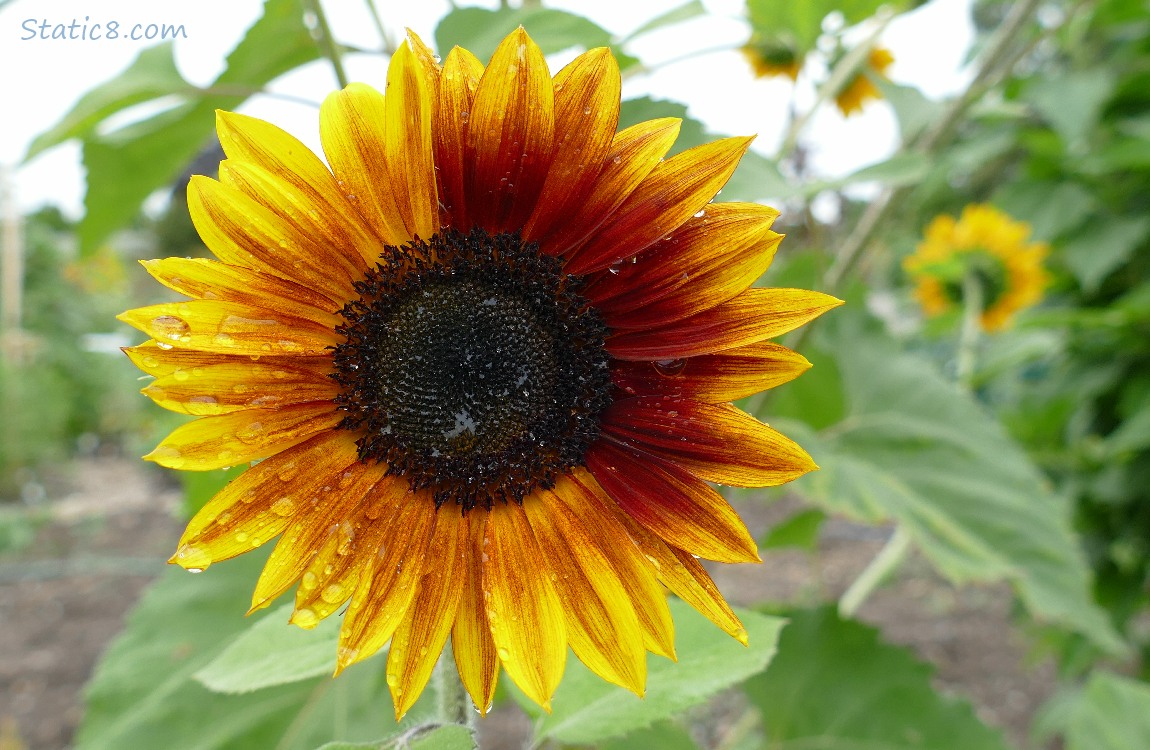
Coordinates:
(241,537)
(305,617)
(587,109)
(700,213)
(251,433)
(284,506)
(332,594)
(669,367)
(310,580)
(193,556)
(504,655)
(170,327)
(194,570)
(151,361)
(222,339)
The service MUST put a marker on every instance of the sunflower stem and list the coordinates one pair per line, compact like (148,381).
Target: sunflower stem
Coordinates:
(972,303)
(326,42)
(389,45)
(454,704)
(884,563)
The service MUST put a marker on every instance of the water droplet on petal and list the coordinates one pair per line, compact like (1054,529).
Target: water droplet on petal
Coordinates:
(284,506)
(169,326)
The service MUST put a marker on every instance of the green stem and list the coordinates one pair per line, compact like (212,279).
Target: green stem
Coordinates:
(972,304)
(884,563)
(326,42)
(389,46)
(454,703)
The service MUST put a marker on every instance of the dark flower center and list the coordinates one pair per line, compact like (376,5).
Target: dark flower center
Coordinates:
(472,367)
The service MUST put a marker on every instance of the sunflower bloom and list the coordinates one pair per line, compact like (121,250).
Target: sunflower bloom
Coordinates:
(861,89)
(992,246)
(485,364)
(773,58)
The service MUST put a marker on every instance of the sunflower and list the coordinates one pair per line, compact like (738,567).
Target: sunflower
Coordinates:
(772,57)
(482,368)
(989,244)
(861,89)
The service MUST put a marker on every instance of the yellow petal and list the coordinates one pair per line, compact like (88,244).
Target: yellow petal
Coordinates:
(511,134)
(471,643)
(381,600)
(351,125)
(407,144)
(160,361)
(523,611)
(224,387)
(231,439)
(201,278)
(420,638)
(586,115)
(602,627)
(674,191)
(256,506)
(231,328)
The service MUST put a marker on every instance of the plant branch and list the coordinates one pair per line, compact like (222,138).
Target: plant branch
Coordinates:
(326,42)
(884,563)
(971,326)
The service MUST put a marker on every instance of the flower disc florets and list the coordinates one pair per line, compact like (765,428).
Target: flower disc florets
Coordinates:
(473,367)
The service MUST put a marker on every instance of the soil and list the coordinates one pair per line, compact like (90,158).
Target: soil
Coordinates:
(111,523)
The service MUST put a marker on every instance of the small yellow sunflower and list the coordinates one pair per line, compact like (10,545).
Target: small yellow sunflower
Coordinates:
(988,243)
(861,89)
(484,364)
(773,58)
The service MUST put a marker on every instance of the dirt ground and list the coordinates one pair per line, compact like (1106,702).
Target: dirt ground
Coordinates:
(110,523)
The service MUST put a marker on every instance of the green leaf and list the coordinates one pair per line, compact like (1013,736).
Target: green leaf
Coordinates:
(1089,90)
(480,30)
(799,23)
(661,736)
(900,169)
(273,652)
(152,75)
(1051,208)
(588,710)
(451,737)
(128,165)
(143,694)
(685,12)
(1103,247)
(914,449)
(1113,714)
(800,530)
(643,108)
(913,110)
(835,686)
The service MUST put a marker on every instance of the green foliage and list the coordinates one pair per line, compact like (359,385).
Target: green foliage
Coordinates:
(452,737)
(835,686)
(913,449)
(587,710)
(800,530)
(1113,713)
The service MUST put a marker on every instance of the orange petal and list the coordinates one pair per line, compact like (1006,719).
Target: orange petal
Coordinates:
(347,553)
(511,133)
(381,601)
(224,387)
(678,571)
(201,278)
(231,328)
(242,232)
(328,221)
(419,639)
(633,570)
(230,439)
(586,116)
(717,442)
(713,378)
(351,125)
(523,611)
(160,362)
(457,85)
(407,143)
(602,628)
(633,154)
(334,504)
(701,265)
(673,503)
(256,506)
(753,316)
(471,644)
(426,58)
(674,191)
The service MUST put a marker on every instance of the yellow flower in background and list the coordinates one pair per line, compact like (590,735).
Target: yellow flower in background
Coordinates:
(860,89)
(773,58)
(988,243)
(485,364)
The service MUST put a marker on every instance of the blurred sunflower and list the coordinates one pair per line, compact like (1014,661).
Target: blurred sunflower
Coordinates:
(484,364)
(773,58)
(861,89)
(990,245)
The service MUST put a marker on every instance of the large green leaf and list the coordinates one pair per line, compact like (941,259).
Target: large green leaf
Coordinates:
(480,30)
(1088,89)
(273,652)
(913,448)
(1104,246)
(144,696)
(589,710)
(126,166)
(152,75)
(802,22)
(685,12)
(835,686)
(1113,713)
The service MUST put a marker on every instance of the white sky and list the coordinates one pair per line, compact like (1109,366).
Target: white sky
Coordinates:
(41,80)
